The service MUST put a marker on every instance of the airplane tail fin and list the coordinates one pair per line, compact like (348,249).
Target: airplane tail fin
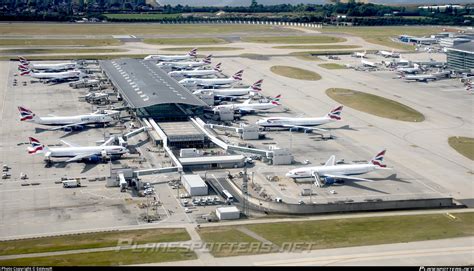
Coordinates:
(36,146)
(257,86)
(276,100)
(26,114)
(238,75)
(23,60)
(23,67)
(25,72)
(207,60)
(218,67)
(193,52)
(335,114)
(378,159)
(331,161)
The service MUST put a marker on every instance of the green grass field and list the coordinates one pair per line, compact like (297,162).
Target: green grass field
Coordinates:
(202,49)
(106,258)
(375,105)
(368,231)
(295,73)
(130,29)
(90,240)
(381,34)
(294,39)
(308,56)
(215,235)
(254,56)
(332,66)
(185,41)
(59,42)
(59,51)
(142,16)
(316,47)
(463,145)
(334,233)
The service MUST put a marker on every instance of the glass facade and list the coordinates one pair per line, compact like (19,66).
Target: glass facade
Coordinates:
(460,60)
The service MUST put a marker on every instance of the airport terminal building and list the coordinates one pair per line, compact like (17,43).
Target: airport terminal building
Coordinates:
(461,57)
(150,91)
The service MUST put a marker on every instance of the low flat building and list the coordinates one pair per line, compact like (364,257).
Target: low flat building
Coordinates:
(227,161)
(227,213)
(461,57)
(451,42)
(195,185)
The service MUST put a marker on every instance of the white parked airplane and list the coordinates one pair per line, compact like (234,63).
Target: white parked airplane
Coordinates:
(331,173)
(389,54)
(68,122)
(189,55)
(54,76)
(197,72)
(359,54)
(302,123)
(247,107)
(78,153)
(186,64)
(418,77)
(410,70)
(232,92)
(367,63)
(212,82)
(25,64)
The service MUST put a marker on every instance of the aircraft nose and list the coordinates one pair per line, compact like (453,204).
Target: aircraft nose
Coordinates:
(289,174)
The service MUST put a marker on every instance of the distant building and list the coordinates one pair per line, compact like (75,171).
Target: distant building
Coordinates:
(451,42)
(461,57)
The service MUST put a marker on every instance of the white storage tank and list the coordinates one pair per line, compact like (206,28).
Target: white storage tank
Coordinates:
(194,184)
(227,213)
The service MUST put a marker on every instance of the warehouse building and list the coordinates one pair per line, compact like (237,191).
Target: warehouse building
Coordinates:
(150,91)
(227,213)
(461,57)
(194,184)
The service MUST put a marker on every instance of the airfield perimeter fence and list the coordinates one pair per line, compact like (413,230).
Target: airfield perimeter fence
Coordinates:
(312,25)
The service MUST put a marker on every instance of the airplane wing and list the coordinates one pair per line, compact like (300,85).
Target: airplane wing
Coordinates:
(231,96)
(343,177)
(306,128)
(68,125)
(110,140)
(80,157)
(70,144)
(316,179)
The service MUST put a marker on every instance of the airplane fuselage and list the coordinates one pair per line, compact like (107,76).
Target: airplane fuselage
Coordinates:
(227,91)
(53,67)
(74,151)
(249,107)
(187,64)
(55,75)
(168,57)
(283,121)
(207,81)
(354,169)
(193,73)
(87,119)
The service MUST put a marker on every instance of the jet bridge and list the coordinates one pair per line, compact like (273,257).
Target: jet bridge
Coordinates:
(245,132)
(276,155)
